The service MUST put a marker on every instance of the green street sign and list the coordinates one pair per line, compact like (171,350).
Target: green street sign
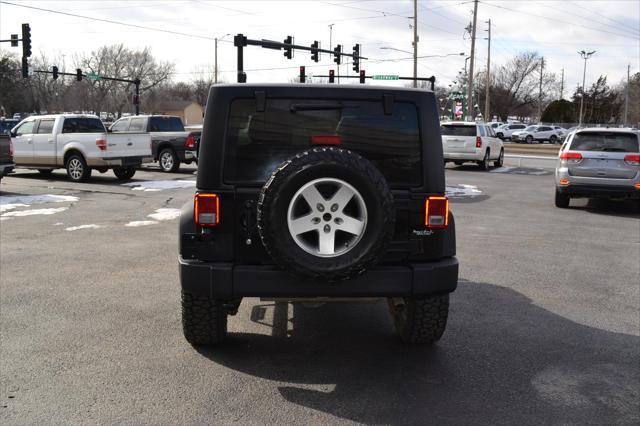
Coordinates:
(93,76)
(386,77)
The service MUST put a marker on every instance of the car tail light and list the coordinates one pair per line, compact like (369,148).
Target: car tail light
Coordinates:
(326,140)
(206,210)
(574,157)
(101,144)
(637,185)
(564,182)
(190,142)
(632,159)
(436,212)
(478,142)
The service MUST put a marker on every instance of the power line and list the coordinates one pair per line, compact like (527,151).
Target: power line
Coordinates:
(109,21)
(606,17)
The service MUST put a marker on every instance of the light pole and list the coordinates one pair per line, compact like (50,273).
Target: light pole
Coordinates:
(584,55)
(215,71)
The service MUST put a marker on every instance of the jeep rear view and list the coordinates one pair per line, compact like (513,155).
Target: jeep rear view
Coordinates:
(318,191)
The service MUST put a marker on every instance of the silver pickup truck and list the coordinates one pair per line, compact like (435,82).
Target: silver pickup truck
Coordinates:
(79,143)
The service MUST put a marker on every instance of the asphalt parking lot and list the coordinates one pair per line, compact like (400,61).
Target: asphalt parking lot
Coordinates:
(544,326)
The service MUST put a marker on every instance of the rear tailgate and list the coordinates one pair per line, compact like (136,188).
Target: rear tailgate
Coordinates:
(458,138)
(127,145)
(603,154)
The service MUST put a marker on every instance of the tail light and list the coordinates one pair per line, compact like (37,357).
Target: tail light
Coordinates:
(190,142)
(478,142)
(101,144)
(436,212)
(573,157)
(206,210)
(564,182)
(632,159)
(326,140)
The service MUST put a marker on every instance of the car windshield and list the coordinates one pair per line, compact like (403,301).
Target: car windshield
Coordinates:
(605,141)
(458,130)
(531,128)
(257,141)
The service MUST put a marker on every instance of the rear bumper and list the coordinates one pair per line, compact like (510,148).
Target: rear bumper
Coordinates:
(227,281)
(467,156)
(608,191)
(187,155)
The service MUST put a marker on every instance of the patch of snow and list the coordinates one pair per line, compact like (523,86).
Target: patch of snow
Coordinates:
(159,185)
(91,226)
(58,224)
(502,170)
(141,223)
(165,214)
(34,212)
(5,207)
(34,199)
(2,219)
(462,191)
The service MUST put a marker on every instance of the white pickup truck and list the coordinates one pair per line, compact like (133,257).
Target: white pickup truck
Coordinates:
(79,143)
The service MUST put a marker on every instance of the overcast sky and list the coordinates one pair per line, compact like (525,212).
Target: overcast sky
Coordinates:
(182,31)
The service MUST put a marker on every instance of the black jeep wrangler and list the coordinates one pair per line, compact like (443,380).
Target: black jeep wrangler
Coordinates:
(308,191)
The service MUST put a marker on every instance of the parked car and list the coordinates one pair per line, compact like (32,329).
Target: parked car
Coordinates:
(295,199)
(495,124)
(597,162)
(79,143)
(506,130)
(562,133)
(467,141)
(536,133)
(6,155)
(170,143)
(6,124)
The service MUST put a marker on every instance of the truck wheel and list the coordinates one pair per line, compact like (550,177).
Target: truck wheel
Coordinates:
(77,168)
(562,200)
(168,161)
(204,320)
(421,321)
(500,161)
(326,213)
(124,172)
(484,164)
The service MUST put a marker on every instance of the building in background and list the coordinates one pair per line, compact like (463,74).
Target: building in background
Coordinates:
(190,112)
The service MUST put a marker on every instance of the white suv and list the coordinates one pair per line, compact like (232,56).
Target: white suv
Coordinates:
(467,141)
(537,133)
(506,130)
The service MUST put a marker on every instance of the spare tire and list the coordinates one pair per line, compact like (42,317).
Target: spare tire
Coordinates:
(326,213)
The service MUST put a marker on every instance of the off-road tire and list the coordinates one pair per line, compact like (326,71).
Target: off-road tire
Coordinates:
(484,164)
(422,321)
(500,161)
(204,320)
(562,200)
(124,173)
(168,161)
(77,168)
(316,163)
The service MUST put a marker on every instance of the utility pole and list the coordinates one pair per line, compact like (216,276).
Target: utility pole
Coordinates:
(487,101)
(562,85)
(331,36)
(473,52)
(415,43)
(540,92)
(584,55)
(626,98)
(215,70)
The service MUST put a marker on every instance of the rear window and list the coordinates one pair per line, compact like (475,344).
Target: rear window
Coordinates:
(605,141)
(458,130)
(82,125)
(165,124)
(257,142)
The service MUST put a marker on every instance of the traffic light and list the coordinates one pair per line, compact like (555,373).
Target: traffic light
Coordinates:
(362,76)
(14,40)
(55,72)
(337,52)
(356,58)
(314,51)
(331,76)
(78,74)
(302,74)
(288,51)
(26,40)
(25,67)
